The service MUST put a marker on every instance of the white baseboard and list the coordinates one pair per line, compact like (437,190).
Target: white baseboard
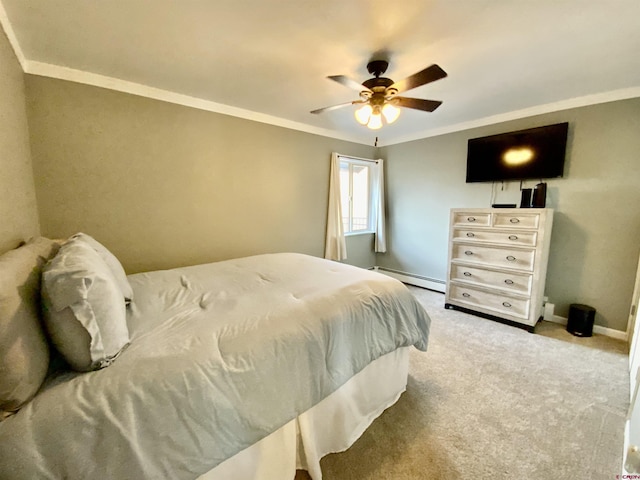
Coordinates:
(440,286)
(411,279)
(600,330)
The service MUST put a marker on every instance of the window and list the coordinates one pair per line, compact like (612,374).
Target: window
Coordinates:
(355,195)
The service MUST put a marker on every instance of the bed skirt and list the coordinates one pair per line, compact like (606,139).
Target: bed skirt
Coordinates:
(333,425)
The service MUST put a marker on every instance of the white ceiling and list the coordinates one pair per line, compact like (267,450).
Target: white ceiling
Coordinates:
(268,59)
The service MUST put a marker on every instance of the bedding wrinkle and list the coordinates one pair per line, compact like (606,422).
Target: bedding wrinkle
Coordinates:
(206,300)
(264,279)
(77,413)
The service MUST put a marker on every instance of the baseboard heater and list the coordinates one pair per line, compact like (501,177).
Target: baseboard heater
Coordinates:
(440,286)
(413,279)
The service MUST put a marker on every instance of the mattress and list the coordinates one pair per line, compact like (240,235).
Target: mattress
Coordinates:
(221,356)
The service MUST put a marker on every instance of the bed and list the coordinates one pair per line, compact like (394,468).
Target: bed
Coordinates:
(241,369)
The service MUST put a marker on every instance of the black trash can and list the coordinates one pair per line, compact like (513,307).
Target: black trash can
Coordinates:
(581,319)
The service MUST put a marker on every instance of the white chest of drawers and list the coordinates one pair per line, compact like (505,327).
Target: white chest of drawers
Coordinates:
(498,262)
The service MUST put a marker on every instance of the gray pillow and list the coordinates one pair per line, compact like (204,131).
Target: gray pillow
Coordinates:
(24,353)
(112,262)
(84,310)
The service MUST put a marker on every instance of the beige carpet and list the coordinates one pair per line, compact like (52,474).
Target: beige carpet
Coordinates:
(490,401)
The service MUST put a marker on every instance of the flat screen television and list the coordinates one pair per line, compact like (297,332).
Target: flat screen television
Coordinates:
(535,153)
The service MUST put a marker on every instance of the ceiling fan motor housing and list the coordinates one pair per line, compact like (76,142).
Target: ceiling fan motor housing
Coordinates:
(378,85)
(382,82)
(377,67)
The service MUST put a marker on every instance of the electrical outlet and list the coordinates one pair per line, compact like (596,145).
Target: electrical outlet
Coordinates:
(548,311)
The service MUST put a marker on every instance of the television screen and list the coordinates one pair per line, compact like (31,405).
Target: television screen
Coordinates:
(535,153)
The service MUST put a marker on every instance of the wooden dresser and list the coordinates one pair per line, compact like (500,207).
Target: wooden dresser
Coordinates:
(498,262)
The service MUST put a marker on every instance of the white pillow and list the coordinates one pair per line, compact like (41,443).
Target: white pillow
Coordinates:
(112,262)
(84,311)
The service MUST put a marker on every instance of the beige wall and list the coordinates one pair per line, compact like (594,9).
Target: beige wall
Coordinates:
(164,185)
(18,212)
(594,246)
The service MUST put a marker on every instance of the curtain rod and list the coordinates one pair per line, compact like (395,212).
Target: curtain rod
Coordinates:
(358,158)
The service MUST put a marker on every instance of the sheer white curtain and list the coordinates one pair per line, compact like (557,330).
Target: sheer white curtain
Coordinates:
(335,247)
(378,208)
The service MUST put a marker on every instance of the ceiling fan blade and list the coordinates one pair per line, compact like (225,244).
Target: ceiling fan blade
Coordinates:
(417,103)
(334,107)
(428,75)
(348,82)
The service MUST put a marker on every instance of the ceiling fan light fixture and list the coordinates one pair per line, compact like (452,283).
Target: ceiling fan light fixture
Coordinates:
(371,115)
(363,114)
(375,122)
(390,112)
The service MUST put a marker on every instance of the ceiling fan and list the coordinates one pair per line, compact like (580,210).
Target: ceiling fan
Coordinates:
(379,95)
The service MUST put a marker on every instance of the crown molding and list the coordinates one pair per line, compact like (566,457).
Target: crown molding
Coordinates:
(13,40)
(87,78)
(96,80)
(584,101)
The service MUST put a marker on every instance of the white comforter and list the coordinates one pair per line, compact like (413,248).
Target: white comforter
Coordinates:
(221,355)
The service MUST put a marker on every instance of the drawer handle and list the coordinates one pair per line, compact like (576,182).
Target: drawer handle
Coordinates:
(465,294)
(506,304)
(511,258)
(508,281)
(467,274)
(470,234)
(515,220)
(468,252)
(513,237)
(471,219)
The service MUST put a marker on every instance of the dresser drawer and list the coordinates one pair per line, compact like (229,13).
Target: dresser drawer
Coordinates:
(492,236)
(469,218)
(511,282)
(516,220)
(500,304)
(494,256)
